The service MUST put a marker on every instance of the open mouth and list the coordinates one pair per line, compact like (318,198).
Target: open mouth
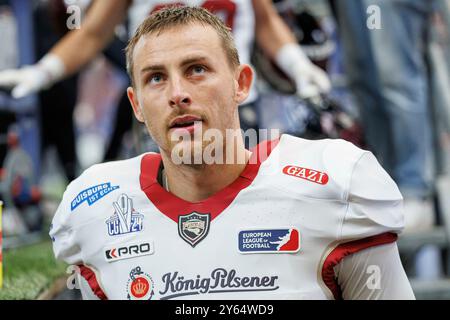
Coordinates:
(184,122)
(183,125)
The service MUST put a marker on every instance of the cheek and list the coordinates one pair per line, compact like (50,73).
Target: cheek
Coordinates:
(227,104)
(152,113)
(223,96)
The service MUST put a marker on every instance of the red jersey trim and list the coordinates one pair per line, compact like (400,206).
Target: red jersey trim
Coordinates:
(89,275)
(346,249)
(172,206)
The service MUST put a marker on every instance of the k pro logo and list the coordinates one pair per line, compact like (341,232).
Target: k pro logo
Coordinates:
(92,194)
(130,250)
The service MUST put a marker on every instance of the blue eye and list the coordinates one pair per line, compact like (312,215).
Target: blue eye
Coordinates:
(198,69)
(156,78)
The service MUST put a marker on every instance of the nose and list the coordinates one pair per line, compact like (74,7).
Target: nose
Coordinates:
(178,95)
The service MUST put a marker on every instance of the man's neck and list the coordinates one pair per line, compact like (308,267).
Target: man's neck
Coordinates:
(195,183)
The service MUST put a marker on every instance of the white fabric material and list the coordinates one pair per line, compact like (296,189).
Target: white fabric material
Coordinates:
(86,292)
(373,198)
(358,200)
(374,274)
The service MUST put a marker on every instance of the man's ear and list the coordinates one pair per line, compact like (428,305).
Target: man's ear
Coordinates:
(132,96)
(244,80)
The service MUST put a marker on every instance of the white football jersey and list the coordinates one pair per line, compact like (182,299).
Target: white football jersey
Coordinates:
(277,232)
(236,14)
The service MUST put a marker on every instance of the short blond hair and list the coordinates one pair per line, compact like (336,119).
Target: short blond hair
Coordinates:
(173,16)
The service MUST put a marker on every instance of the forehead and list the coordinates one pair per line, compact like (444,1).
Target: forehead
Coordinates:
(177,42)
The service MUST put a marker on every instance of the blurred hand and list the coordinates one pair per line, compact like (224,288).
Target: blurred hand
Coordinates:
(24,81)
(31,79)
(310,80)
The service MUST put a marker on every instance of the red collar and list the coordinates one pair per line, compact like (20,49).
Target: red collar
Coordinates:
(172,206)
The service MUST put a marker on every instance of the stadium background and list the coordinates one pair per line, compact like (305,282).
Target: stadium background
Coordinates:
(29,268)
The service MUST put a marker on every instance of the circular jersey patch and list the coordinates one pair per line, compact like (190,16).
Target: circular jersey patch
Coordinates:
(140,285)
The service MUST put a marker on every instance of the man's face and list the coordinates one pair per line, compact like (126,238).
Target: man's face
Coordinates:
(183,76)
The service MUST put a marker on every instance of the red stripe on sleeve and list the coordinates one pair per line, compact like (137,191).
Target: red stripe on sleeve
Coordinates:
(91,278)
(346,249)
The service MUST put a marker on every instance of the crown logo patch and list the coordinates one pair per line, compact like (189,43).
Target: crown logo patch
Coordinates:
(140,285)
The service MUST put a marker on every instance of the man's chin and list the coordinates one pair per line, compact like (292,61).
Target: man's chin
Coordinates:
(187,152)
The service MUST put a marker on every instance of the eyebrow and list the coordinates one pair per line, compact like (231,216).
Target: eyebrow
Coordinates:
(187,61)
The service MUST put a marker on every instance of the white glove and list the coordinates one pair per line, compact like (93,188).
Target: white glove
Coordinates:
(31,79)
(310,80)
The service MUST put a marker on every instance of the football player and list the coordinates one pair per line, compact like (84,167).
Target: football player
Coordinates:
(295,219)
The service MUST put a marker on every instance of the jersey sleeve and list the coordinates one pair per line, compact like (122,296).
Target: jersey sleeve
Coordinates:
(374,274)
(367,240)
(85,289)
(63,233)
(375,204)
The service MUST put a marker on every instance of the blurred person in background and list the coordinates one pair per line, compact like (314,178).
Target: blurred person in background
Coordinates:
(58,102)
(249,19)
(19,126)
(388,72)
(333,115)
(386,47)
